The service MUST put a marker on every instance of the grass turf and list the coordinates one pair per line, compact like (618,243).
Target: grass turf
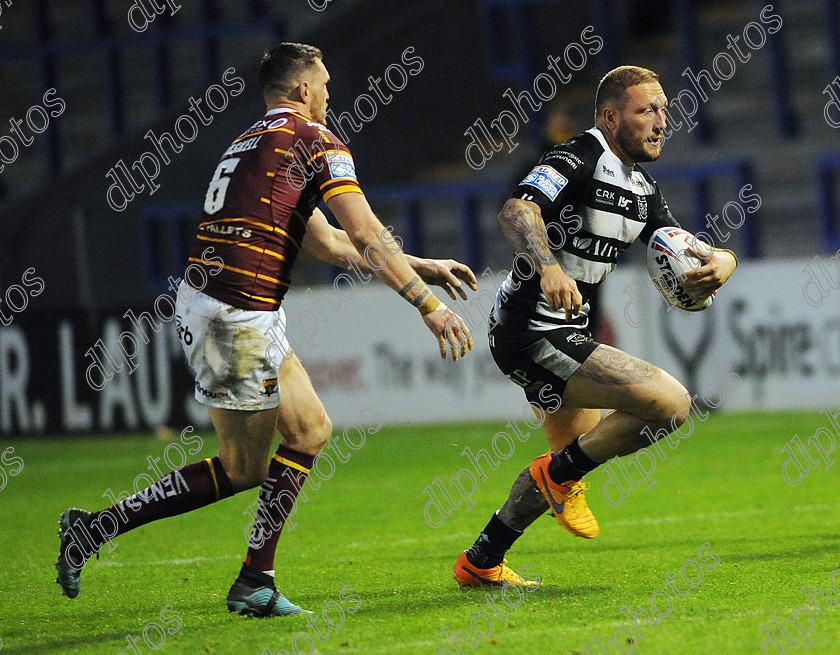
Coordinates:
(365,528)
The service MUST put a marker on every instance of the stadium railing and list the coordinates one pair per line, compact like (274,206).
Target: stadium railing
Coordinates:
(111,45)
(409,199)
(166,234)
(166,229)
(831,11)
(698,177)
(687,30)
(520,64)
(778,72)
(827,173)
(685,21)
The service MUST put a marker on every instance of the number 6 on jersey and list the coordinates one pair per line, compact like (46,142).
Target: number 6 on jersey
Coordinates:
(215,198)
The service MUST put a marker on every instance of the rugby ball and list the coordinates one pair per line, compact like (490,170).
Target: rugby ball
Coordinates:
(669,257)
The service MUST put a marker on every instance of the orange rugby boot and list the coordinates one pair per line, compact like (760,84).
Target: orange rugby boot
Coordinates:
(567,501)
(468,575)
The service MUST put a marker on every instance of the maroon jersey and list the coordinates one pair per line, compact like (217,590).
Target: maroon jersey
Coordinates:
(260,198)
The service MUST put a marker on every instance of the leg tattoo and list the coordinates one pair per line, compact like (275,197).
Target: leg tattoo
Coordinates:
(612,367)
(525,504)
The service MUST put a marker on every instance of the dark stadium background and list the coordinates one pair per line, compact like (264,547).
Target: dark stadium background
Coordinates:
(764,126)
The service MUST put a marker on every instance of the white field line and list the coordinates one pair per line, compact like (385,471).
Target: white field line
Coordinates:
(431,537)
(171,562)
(559,630)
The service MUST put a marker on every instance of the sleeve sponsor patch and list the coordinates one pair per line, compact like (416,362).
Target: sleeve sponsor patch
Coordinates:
(546,179)
(341,165)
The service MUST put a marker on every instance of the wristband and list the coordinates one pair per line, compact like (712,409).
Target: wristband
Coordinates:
(429,305)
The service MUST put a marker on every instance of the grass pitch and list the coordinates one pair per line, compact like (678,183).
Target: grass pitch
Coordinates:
(723,487)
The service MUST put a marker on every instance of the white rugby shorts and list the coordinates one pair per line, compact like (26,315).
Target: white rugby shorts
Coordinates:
(234,353)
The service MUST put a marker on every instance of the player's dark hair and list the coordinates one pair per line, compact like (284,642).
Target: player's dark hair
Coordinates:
(612,86)
(281,66)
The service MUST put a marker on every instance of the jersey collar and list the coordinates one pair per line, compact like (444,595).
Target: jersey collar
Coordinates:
(280,110)
(287,110)
(598,134)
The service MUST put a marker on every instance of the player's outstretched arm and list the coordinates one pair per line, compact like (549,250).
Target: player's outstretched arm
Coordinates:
(445,273)
(333,246)
(364,230)
(524,228)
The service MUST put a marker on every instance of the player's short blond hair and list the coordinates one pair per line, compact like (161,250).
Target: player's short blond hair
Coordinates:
(612,86)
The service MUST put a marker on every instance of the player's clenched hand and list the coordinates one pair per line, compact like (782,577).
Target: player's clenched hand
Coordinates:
(450,330)
(718,267)
(560,290)
(446,273)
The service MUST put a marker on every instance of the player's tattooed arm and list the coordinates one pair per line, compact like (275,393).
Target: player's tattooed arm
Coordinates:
(523,226)
(415,291)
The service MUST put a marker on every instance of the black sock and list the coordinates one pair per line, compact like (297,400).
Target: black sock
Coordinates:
(494,541)
(254,578)
(571,463)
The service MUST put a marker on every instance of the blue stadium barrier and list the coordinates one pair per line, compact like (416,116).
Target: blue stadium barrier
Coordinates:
(780,82)
(831,11)
(47,69)
(520,64)
(409,197)
(699,176)
(111,45)
(166,230)
(827,168)
(602,16)
(513,17)
(686,26)
(166,234)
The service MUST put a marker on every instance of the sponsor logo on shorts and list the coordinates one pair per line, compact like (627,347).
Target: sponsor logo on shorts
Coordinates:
(210,394)
(269,387)
(547,180)
(576,338)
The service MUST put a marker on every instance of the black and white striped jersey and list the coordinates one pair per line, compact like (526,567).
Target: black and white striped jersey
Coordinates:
(594,207)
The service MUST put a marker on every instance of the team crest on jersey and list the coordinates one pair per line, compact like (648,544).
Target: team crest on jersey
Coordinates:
(341,165)
(641,202)
(269,387)
(547,180)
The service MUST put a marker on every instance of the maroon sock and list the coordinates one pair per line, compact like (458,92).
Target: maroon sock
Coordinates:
(286,474)
(182,490)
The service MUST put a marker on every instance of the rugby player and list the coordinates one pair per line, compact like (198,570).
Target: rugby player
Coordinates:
(260,209)
(538,326)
